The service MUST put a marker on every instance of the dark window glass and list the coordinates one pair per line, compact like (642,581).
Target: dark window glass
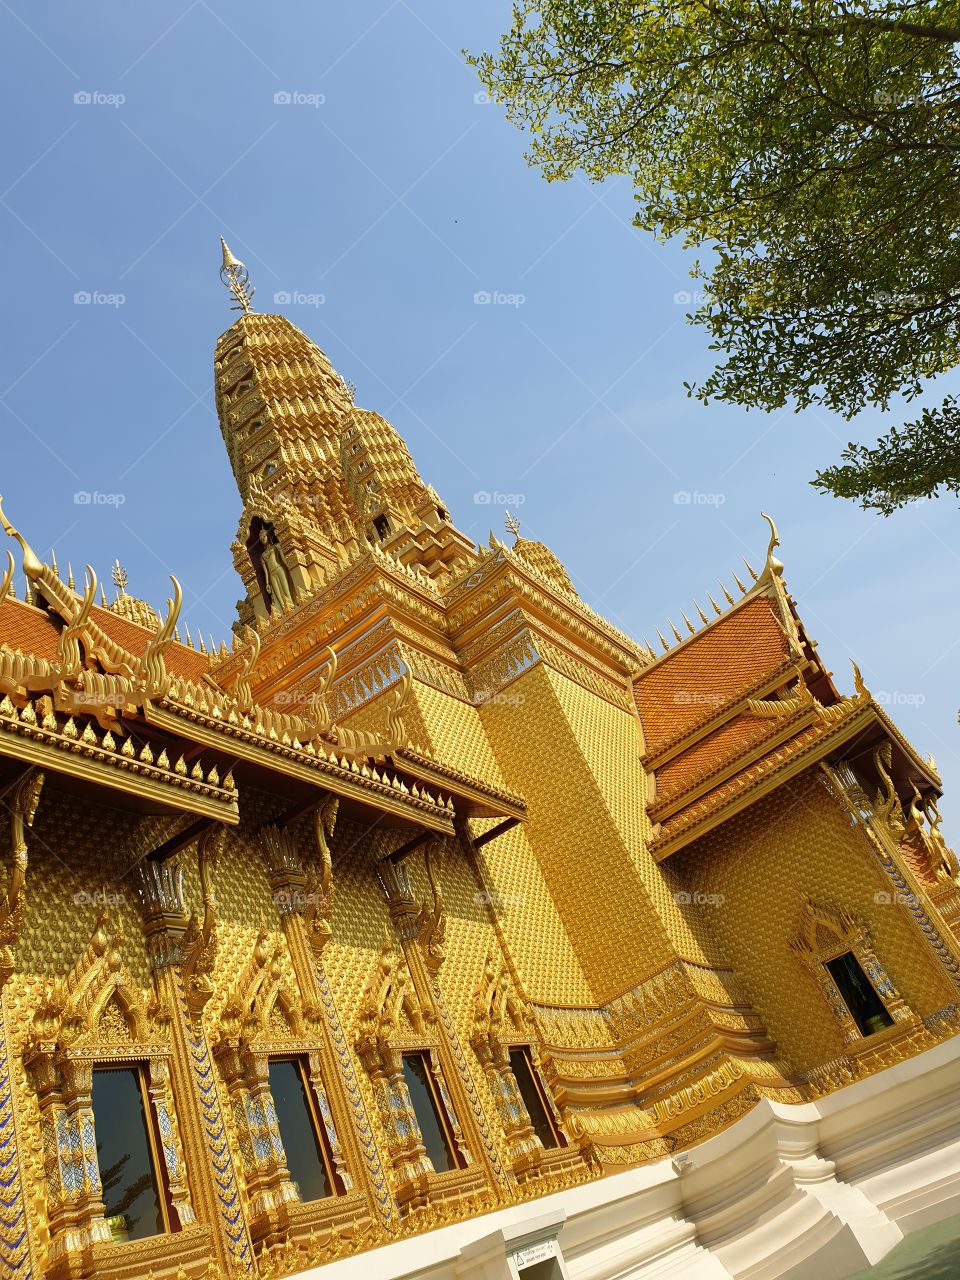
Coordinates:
(131,1194)
(533,1100)
(868,1010)
(298,1131)
(432,1126)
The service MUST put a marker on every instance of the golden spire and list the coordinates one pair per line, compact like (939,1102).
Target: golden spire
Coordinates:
(120,577)
(235,276)
(512,523)
(127,606)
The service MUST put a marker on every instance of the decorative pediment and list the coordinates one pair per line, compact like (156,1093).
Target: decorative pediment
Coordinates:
(262,1005)
(96,997)
(825,932)
(499,1015)
(389,1010)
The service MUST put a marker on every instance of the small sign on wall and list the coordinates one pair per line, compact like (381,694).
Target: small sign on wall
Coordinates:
(533,1253)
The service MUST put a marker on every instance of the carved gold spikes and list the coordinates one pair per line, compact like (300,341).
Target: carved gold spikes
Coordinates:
(676,634)
(716,608)
(71,582)
(727,596)
(666,647)
(7,580)
(690,627)
(743,589)
(703,617)
(750,569)
(23,808)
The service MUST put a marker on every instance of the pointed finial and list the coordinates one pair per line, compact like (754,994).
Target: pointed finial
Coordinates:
(773,567)
(690,627)
(103,598)
(512,523)
(743,589)
(235,276)
(666,647)
(703,617)
(53,563)
(858,682)
(750,569)
(71,583)
(716,608)
(676,633)
(727,595)
(120,577)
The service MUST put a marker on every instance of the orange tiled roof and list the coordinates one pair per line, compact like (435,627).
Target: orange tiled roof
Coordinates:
(32,630)
(750,776)
(715,668)
(712,753)
(179,659)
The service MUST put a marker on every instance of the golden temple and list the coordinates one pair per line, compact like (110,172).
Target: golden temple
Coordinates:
(434,893)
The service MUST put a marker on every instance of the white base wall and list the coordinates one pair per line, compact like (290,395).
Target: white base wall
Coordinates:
(811,1192)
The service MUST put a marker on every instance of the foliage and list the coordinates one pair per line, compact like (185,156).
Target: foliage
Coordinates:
(813,150)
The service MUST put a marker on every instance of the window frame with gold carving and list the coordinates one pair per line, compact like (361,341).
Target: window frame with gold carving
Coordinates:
(503,1025)
(393,1025)
(826,934)
(90,1019)
(263,1021)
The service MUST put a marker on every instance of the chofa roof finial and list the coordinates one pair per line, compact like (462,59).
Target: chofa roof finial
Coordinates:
(235,276)
(773,567)
(512,523)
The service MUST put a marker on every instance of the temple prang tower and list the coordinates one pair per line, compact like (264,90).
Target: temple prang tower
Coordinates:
(436,895)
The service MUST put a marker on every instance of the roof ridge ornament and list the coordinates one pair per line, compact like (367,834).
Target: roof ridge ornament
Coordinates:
(772,566)
(235,276)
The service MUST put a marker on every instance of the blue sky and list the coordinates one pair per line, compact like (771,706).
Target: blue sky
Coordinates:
(385,195)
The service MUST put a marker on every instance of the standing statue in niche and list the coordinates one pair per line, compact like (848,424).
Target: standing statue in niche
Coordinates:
(275,574)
